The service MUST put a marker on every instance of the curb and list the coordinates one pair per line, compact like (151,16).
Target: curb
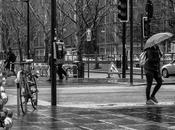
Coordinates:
(116,105)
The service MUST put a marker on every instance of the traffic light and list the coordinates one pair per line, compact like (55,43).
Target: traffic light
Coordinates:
(146,27)
(123,10)
(149,9)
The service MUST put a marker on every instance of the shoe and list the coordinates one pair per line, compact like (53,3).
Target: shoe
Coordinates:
(66,77)
(150,102)
(49,80)
(154,99)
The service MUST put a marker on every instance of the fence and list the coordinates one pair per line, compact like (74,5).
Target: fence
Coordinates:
(90,61)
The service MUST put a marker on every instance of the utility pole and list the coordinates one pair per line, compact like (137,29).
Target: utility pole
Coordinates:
(142,40)
(131,42)
(123,15)
(53,67)
(124,50)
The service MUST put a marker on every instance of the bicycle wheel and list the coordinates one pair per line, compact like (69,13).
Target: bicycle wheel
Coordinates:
(34,91)
(23,95)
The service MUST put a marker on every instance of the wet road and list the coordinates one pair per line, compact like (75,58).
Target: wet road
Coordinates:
(70,115)
(104,94)
(132,118)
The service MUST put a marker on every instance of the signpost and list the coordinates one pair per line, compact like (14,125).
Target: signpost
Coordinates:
(53,67)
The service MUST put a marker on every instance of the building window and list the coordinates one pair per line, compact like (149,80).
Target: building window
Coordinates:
(40,52)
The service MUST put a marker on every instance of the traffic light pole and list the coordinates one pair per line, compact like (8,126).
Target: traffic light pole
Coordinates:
(142,40)
(124,50)
(53,67)
(131,41)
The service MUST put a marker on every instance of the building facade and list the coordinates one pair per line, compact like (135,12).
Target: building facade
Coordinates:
(109,32)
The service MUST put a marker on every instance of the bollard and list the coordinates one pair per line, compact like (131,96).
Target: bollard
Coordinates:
(18,94)
(109,75)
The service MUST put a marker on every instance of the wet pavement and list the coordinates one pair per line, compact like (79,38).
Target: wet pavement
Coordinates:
(131,118)
(101,81)
(46,117)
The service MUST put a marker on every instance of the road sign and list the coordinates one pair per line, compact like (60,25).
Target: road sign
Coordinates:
(88,34)
(113,68)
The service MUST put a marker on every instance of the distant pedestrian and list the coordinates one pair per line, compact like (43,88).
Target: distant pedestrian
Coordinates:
(60,61)
(152,71)
(49,66)
(9,62)
(61,72)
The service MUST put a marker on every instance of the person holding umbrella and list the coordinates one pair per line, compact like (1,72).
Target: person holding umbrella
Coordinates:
(152,65)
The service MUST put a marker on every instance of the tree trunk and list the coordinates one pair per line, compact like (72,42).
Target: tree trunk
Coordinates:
(96,48)
(20,51)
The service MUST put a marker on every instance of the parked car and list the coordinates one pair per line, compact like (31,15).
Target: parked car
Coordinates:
(135,58)
(71,55)
(168,69)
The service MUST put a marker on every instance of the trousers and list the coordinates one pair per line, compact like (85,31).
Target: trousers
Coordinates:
(150,75)
(61,71)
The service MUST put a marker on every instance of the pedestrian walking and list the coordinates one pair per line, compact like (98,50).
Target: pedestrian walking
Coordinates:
(61,52)
(152,71)
(61,72)
(49,66)
(9,62)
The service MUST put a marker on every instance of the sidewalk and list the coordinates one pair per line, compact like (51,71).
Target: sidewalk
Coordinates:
(101,79)
(158,117)
(130,118)
(99,117)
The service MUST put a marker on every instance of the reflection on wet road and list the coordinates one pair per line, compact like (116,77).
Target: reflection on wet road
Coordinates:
(135,118)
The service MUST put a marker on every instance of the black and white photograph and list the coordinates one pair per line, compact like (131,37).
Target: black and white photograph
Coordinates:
(87,64)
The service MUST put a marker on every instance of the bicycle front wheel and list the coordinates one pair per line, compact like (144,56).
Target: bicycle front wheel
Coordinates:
(23,95)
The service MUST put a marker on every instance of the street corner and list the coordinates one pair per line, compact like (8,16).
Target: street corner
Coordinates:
(119,105)
(157,117)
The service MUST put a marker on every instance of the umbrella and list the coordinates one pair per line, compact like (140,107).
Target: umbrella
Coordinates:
(157,38)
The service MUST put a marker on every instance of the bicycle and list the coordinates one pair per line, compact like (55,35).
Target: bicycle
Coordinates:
(28,86)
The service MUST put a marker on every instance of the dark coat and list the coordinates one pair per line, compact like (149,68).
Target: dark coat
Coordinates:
(153,55)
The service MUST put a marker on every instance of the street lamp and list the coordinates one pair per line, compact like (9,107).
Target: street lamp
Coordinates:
(28,27)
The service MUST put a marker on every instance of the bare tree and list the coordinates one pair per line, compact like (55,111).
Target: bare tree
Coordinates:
(85,14)
(13,26)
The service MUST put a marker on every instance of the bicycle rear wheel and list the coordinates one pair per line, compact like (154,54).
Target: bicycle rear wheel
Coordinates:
(34,91)
(23,95)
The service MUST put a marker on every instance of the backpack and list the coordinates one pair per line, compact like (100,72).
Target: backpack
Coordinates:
(142,58)
(12,57)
